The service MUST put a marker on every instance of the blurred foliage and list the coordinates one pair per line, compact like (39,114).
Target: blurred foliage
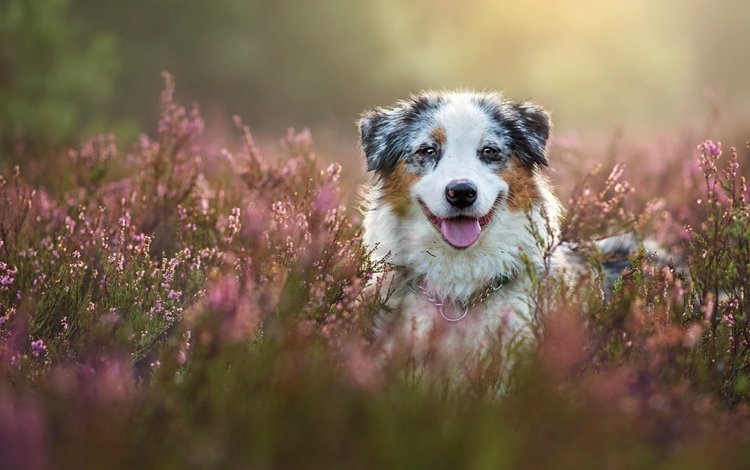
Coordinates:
(318,64)
(54,79)
(594,64)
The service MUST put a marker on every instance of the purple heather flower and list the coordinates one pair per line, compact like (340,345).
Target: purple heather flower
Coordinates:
(174,295)
(6,280)
(157,309)
(124,221)
(70,224)
(711,148)
(710,152)
(38,347)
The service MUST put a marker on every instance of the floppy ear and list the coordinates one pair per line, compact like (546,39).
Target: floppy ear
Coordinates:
(385,132)
(534,126)
(377,131)
(369,124)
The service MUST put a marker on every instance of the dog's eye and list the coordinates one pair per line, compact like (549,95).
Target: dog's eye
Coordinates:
(427,151)
(489,152)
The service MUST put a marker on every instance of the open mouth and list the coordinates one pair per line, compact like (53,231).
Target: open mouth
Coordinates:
(462,231)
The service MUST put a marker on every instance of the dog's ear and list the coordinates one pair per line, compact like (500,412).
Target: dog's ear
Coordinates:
(369,123)
(376,127)
(385,132)
(530,142)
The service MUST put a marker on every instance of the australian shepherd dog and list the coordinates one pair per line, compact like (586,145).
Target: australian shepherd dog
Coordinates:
(457,207)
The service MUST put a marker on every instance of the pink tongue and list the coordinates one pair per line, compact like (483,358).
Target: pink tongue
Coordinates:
(460,231)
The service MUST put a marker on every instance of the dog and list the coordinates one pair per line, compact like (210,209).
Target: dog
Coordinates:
(457,208)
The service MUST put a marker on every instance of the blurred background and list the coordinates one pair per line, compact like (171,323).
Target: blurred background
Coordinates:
(70,69)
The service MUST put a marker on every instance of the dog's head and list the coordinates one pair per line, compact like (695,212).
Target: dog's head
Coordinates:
(458,157)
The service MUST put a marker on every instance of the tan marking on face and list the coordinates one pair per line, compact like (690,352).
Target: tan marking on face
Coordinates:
(439,135)
(397,189)
(523,191)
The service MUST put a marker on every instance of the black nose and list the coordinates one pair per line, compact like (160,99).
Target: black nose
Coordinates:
(461,193)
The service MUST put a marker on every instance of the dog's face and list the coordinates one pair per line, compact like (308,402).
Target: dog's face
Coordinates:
(458,157)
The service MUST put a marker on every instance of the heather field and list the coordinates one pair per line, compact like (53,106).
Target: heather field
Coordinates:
(183,282)
(192,303)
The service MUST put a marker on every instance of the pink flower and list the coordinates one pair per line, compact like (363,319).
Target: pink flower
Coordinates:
(224,295)
(710,148)
(234,224)
(325,199)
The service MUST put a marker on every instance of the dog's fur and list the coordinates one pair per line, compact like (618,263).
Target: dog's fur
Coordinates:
(416,148)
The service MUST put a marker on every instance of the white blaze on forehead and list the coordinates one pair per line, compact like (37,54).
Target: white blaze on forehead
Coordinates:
(465,124)
(466,128)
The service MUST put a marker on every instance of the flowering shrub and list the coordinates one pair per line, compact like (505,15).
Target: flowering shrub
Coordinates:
(169,307)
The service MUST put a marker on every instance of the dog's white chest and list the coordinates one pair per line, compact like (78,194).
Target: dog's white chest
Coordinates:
(415,322)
